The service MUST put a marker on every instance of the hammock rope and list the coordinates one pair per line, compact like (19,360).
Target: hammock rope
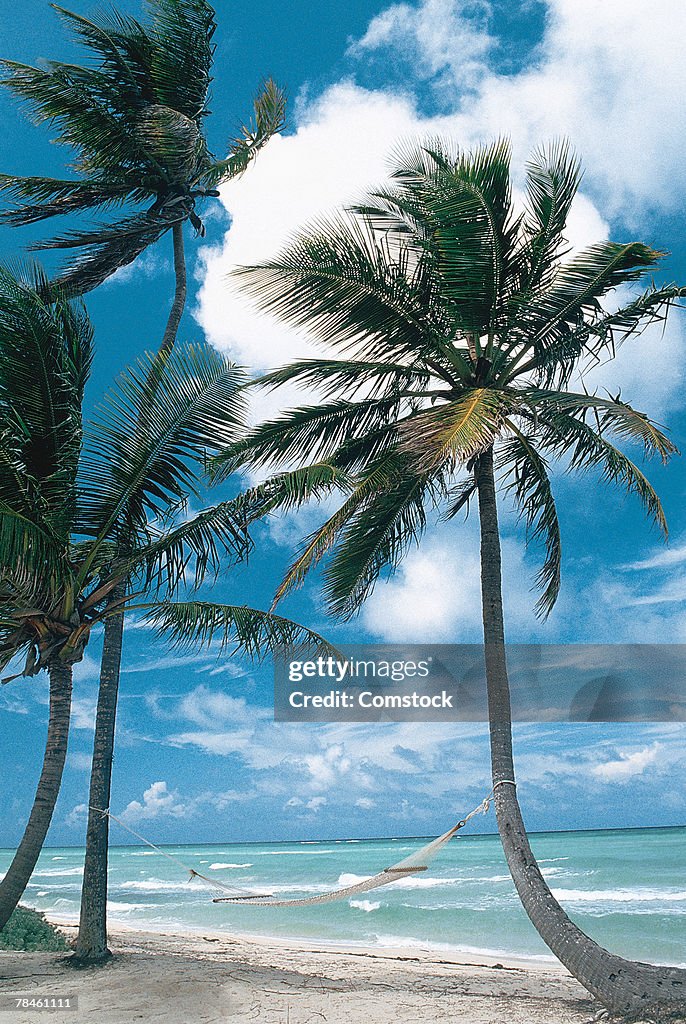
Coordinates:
(192,873)
(414,864)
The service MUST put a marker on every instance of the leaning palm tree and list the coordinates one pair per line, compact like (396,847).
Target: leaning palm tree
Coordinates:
(45,355)
(135,117)
(462,332)
(88,514)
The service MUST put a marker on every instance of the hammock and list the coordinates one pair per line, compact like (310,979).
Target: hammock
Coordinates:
(414,864)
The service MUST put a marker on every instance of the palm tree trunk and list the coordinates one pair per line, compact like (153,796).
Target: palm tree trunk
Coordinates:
(91,943)
(20,870)
(179,302)
(622,986)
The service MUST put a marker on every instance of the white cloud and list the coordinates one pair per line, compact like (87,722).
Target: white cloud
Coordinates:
(207,707)
(86,670)
(580,81)
(83,712)
(636,371)
(664,558)
(435,595)
(626,766)
(158,801)
(404,771)
(172,660)
(328,768)
(215,742)
(77,815)
(653,584)
(316,803)
(365,803)
(339,149)
(151,263)
(80,762)
(443,40)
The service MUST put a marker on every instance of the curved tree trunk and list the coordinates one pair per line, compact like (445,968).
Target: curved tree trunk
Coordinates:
(622,986)
(20,870)
(91,943)
(179,302)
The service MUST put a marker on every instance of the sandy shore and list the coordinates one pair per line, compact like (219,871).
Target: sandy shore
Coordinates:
(181,979)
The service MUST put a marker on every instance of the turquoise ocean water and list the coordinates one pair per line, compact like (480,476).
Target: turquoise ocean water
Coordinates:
(625,888)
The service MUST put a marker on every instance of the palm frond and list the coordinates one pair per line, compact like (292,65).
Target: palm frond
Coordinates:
(612,415)
(458,497)
(152,431)
(106,249)
(305,433)
(181,60)
(174,140)
(246,630)
(269,118)
(553,175)
(347,378)
(528,481)
(454,431)
(204,543)
(33,561)
(107,40)
(567,437)
(290,490)
(377,537)
(46,349)
(343,284)
(605,333)
(51,197)
(555,324)
(379,476)
(471,208)
(71,97)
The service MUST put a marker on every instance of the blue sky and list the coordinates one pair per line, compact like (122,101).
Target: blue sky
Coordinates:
(198,754)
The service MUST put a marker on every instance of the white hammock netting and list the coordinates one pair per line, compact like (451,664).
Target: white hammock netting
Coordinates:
(414,864)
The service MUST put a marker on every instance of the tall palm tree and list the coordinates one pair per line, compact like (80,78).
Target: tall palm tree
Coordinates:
(147,457)
(462,330)
(88,514)
(136,120)
(135,117)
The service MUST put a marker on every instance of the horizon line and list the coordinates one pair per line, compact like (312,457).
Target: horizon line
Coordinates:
(366,839)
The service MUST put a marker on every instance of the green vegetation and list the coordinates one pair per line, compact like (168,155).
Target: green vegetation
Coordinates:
(93,523)
(28,930)
(133,117)
(462,329)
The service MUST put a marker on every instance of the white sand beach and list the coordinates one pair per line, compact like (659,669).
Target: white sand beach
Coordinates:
(209,978)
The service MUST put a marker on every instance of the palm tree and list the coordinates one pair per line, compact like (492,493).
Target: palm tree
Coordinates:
(462,330)
(163,445)
(135,117)
(141,464)
(136,122)
(85,515)
(45,354)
